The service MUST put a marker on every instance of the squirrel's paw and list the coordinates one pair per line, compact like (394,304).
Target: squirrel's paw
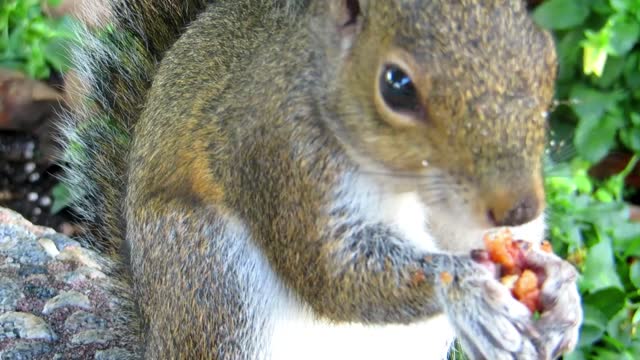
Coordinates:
(559,323)
(489,322)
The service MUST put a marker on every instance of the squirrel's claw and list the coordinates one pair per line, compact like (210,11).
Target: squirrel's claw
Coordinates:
(491,324)
(560,321)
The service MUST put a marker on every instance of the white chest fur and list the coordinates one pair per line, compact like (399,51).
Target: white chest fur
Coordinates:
(298,335)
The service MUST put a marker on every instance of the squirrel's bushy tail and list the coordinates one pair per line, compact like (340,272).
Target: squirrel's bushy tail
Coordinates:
(113,68)
(114,64)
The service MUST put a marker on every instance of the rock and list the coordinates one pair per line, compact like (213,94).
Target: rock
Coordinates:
(79,255)
(113,354)
(92,337)
(19,325)
(66,299)
(19,245)
(62,242)
(39,292)
(13,221)
(82,320)
(49,246)
(10,294)
(80,275)
(25,350)
(28,270)
(42,272)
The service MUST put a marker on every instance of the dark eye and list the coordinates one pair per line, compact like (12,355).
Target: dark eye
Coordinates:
(397,89)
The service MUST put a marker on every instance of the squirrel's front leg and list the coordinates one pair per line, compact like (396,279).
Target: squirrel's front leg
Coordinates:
(367,272)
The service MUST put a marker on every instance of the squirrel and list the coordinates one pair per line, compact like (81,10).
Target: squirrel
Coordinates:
(306,179)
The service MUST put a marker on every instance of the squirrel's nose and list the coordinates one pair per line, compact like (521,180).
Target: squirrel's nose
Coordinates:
(509,210)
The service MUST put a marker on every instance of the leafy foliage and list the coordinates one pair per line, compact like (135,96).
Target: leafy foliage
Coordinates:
(589,225)
(30,41)
(599,81)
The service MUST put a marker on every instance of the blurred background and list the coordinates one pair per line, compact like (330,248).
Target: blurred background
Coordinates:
(592,175)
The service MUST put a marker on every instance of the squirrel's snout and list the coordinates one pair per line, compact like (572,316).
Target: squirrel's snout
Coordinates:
(513,210)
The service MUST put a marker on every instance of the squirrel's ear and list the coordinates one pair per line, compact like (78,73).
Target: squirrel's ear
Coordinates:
(345,13)
(339,20)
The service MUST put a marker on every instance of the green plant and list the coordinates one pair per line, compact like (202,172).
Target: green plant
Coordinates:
(30,41)
(589,225)
(599,82)
(599,71)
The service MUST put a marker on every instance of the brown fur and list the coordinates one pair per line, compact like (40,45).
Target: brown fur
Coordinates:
(256,119)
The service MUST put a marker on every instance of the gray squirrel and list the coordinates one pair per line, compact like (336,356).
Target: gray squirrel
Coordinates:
(306,179)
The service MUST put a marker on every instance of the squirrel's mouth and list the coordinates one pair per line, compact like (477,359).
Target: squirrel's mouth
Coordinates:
(456,228)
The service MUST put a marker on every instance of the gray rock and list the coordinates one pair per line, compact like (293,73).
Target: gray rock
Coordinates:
(82,320)
(92,337)
(29,270)
(61,241)
(11,235)
(10,294)
(25,350)
(36,262)
(39,292)
(66,299)
(22,247)
(19,325)
(49,246)
(81,256)
(80,275)
(113,354)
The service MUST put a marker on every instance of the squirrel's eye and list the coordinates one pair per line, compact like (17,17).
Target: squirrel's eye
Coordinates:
(397,89)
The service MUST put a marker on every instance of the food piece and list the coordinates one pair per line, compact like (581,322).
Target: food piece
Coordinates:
(504,251)
(527,282)
(509,281)
(546,247)
(514,272)
(532,301)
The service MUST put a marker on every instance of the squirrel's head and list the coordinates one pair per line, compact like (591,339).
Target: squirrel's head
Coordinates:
(446,98)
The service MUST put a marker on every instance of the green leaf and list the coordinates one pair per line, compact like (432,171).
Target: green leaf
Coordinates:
(57,55)
(593,326)
(625,235)
(599,268)
(577,354)
(605,354)
(612,72)
(634,274)
(630,137)
(609,301)
(619,329)
(636,317)
(573,13)
(620,5)
(605,216)
(569,47)
(603,195)
(61,198)
(594,59)
(594,137)
(624,32)
(632,70)
(591,104)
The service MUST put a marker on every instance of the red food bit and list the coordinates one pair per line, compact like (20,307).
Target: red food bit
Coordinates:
(523,280)
(532,301)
